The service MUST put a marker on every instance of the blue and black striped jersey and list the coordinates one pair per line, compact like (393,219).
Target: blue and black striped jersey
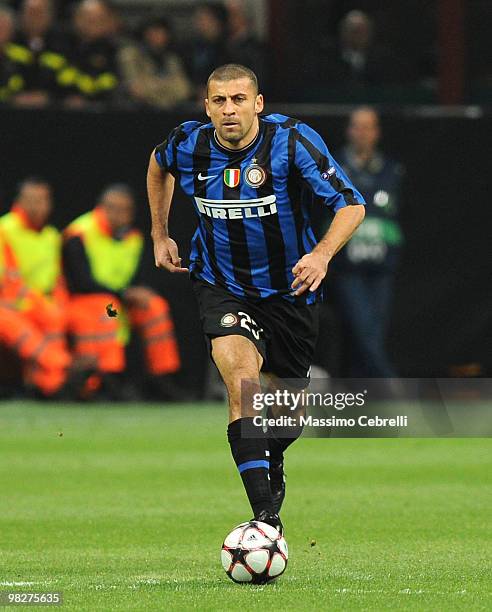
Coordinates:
(253,203)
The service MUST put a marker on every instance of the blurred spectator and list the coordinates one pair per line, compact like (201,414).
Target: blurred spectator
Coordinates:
(11,79)
(208,49)
(102,260)
(151,72)
(363,272)
(39,51)
(92,74)
(32,289)
(243,46)
(44,366)
(36,244)
(357,59)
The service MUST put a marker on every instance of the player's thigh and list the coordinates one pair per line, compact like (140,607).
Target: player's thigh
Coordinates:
(239,363)
(236,357)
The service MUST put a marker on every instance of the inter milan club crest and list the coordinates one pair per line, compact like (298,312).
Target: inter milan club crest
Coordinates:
(255,176)
(232,176)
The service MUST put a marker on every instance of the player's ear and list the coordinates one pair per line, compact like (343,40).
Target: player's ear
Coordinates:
(259,103)
(207,109)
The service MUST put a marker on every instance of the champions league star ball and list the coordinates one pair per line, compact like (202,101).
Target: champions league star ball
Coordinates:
(254,552)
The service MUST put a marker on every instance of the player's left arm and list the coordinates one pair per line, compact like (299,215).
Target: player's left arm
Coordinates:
(327,180)
(311,269)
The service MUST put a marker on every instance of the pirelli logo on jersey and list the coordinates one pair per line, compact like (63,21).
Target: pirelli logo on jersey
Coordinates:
(238,209)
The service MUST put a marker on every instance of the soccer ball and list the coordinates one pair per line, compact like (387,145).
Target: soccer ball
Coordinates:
(254,552)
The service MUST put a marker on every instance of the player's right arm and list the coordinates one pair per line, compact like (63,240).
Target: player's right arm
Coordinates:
(160,189)
(328,181)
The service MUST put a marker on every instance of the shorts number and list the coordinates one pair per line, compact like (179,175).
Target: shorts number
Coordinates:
(248,323)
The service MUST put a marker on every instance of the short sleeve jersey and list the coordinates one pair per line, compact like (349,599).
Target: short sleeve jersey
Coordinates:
(253,203)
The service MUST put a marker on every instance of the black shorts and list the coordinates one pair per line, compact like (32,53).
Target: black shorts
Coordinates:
(284,333)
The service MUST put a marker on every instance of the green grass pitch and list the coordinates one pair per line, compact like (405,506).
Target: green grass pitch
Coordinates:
(128,508)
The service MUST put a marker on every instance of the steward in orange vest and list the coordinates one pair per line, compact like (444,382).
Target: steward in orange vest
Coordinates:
(102,257)
(32,293)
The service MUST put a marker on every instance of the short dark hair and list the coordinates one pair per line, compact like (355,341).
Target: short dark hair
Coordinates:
(229,72)
(155,21)
(109,5)
(218,11)
(366,109)
(117,188)
(31,180)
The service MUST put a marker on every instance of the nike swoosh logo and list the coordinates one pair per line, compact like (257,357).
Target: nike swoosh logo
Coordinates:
(204,178)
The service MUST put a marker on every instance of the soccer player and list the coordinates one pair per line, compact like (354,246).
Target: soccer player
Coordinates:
(255,266)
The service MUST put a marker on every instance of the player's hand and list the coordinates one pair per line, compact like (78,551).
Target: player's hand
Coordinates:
(309,272)
(166,255)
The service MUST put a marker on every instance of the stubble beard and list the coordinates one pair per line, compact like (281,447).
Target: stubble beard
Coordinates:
(232,138)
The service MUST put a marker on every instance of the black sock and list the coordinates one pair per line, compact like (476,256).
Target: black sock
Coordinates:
(251,457)
(280,438)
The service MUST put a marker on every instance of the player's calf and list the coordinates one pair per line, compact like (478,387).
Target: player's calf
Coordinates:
(239,364)
(251,456)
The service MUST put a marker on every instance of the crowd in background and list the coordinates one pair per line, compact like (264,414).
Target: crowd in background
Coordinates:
(93,53)
(95,58)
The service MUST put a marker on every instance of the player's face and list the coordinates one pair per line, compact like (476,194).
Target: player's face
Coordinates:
(363,130)
(233,107)
(119,209)
(36,202)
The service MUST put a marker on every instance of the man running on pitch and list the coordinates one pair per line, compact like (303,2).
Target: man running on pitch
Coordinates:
(255,266)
